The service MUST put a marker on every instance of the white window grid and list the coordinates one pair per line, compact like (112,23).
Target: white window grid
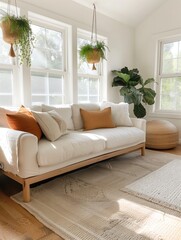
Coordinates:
(90,75)
(47,72)
(174,96)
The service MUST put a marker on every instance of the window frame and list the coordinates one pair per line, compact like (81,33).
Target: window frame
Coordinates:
(102,68)
(157,111)
(45,22)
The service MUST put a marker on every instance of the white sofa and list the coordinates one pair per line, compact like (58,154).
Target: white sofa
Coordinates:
(27,160)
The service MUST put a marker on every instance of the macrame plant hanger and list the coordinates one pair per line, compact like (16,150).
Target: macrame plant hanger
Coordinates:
(94,26)
(95,56)
(9,36)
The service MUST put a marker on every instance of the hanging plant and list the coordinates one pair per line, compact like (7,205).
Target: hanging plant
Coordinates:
(17,30)
(96,50)
(92,53)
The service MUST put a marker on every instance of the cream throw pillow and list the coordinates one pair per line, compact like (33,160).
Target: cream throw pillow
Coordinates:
(64,111)
(120,113)
(52,125)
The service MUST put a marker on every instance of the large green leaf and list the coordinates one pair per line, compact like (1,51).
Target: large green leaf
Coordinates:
(117,81)
(149,80)
(148,96)
(124,76)
(139,111)
(131,95)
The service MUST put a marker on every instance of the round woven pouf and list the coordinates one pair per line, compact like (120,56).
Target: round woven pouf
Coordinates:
(161,134)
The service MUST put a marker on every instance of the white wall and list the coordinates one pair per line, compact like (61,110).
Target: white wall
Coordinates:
(120,37)
(162,23)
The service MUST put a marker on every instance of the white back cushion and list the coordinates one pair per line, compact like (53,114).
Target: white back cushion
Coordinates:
(77,119)
(64,111)
(120,113)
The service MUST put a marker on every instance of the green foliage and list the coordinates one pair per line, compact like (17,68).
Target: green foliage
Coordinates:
(20,26)
(133,89)
(89,47)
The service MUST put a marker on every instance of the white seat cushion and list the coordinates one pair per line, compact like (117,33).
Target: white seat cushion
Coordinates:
(73,145)
(120,136)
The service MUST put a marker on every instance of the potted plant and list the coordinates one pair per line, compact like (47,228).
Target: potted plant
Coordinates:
(17,30)
(134,89)
(92,53)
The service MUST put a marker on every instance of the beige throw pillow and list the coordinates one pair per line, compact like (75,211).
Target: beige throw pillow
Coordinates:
(97,119)
(65,112)
(52,125)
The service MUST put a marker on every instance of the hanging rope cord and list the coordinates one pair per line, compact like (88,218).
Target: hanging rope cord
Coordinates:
(9,7)
(94,26)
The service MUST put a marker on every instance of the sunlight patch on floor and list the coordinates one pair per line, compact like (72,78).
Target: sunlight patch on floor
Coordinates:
(149,222)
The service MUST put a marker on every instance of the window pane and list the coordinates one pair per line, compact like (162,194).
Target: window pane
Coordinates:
(83,86)
(170,66)
(39,32)
(47,59)
(39,84)
(38,58)
(54,59)
(5,81)
(93,86)
(39,99)
(171,93)
(48,51)
(171,58)
(56,84)
(88,89)
(6,100)
(47,88)
(170,50)
(55,100)
(54,40)
(6,87)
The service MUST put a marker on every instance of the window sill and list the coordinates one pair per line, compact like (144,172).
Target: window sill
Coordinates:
(165,114)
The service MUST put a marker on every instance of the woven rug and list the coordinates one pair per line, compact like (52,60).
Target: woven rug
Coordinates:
(162,186)
(89,204)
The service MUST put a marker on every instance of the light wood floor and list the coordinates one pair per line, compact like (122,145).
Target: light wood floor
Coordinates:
(16,223)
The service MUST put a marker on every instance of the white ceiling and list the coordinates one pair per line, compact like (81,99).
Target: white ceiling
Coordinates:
(130,12)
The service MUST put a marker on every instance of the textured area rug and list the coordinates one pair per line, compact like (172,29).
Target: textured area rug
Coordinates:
(88,204)
(162,186)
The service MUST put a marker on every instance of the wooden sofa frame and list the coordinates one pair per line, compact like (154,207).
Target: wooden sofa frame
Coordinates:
(26,182)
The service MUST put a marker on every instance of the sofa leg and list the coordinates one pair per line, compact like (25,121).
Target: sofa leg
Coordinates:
(26,192)
(143,151)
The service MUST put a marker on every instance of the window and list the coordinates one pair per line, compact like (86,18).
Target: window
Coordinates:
(169,75)
(47,71)
(56,75)
(90,81)
(7,71)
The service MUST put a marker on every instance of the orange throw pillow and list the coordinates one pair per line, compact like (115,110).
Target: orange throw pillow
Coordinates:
(23,120)
(97,119)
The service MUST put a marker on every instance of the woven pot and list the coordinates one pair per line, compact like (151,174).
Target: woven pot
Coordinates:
(93,57)
(8,36)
